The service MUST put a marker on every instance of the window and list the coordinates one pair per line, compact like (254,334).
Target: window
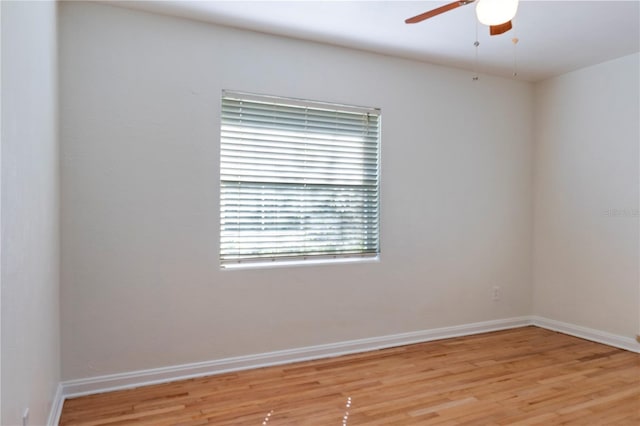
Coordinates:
(298,180)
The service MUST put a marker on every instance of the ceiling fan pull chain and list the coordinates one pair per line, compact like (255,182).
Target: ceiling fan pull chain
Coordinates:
(476,45)
(475,71)
(515,41)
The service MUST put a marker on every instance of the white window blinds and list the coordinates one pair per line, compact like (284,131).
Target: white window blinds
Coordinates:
(298,179)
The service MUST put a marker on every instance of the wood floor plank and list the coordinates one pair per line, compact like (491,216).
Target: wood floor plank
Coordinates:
(524,376)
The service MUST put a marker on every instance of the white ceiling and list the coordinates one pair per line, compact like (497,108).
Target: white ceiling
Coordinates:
(554,36)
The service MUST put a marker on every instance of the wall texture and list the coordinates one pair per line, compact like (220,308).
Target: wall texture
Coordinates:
(141,283)
(30,206)
(586,197)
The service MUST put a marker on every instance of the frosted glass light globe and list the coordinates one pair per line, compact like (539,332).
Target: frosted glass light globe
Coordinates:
(496,12)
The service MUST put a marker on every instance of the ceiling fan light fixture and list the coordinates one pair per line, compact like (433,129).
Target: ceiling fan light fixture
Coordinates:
(496,12)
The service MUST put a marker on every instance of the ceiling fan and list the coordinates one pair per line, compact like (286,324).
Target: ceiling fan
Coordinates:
(497,14)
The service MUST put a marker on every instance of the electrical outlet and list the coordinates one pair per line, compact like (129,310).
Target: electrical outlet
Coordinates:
(495,294)
(25,417)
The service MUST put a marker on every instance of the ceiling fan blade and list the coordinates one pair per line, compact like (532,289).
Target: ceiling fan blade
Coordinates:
(437,11)
(500,28)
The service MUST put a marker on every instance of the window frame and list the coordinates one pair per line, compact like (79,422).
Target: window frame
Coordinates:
(304,258)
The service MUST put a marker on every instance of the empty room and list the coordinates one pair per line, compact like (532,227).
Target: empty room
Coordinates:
(320,213)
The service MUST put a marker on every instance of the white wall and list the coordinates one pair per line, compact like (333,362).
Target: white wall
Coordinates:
(141,284)
(1,242)
(586,197)
(30,206)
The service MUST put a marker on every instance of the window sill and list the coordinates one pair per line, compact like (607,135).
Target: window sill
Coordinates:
(298,263)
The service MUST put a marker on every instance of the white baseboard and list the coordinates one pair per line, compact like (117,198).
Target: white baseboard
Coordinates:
(107,383)
(73,388)
(56,407)
(610,339)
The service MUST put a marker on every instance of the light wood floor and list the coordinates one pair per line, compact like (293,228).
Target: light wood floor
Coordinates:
(523,376)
